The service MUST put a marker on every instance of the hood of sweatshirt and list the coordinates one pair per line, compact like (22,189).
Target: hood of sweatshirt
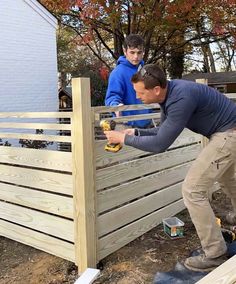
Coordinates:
(122,60)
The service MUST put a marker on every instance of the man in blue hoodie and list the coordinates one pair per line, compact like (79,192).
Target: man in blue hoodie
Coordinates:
(120,90)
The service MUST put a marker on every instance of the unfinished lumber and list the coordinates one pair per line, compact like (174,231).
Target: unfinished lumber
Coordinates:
(224,274)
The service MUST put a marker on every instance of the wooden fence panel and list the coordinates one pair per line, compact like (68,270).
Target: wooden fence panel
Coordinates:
(104,158)
(43,205)
(49,181)
(132,211)
(39,137)
(21,125)
(40,200)
(121,194)
(36,187)
(121,173)
(123,236)
(37,240)
(136,189)
(19,115)
(223,274)
(49,224)
(37,158)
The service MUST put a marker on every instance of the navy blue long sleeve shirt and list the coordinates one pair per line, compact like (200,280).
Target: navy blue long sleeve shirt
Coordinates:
(197,107)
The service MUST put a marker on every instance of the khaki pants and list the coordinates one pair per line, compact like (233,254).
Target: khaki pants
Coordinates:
(216,162)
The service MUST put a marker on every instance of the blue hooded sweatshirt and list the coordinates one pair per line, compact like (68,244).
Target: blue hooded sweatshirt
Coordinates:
(120,90)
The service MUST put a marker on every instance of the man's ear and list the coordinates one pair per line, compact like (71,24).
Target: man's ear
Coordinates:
(157,90)
(124,50)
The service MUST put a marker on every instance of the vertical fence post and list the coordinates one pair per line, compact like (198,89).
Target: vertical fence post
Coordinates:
(83,175)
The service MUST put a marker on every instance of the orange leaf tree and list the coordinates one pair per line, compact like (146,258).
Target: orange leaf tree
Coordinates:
(170,28)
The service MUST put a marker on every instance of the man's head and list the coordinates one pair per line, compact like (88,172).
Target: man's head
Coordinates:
(134,48)
(150,84)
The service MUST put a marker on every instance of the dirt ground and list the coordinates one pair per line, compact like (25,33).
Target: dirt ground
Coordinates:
(135,263)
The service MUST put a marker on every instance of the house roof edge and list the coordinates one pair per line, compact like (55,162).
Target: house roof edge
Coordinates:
(42,11)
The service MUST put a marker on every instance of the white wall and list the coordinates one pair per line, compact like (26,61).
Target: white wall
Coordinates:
(28,62)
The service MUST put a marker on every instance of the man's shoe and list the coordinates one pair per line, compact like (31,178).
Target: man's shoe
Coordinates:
(203,263)
(231,218)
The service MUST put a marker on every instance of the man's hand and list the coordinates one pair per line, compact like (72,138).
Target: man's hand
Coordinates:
(118,113)
(115,137)
(129,131)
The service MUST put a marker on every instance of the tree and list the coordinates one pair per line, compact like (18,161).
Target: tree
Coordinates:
(77,61)
(225,54)
(105,23)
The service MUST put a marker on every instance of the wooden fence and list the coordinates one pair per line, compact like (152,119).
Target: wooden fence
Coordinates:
(85,204)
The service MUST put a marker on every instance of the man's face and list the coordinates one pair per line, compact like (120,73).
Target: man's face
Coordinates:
(148,96)
(134,55)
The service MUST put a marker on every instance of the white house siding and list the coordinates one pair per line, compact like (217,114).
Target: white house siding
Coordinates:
(28,60)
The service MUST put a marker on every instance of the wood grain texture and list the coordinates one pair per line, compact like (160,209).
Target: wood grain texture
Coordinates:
(223,274)
(43,201)
(135,117)
(37,158)
(84,192)
(19,125)
(121,173)
(38,137)
(126,192)
(36,114)
(46,223)
(49,181)
(37,240)
(105,109)
(104,158)
(123,236)
(132,211)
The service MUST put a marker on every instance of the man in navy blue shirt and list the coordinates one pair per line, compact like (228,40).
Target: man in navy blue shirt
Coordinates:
(203,110)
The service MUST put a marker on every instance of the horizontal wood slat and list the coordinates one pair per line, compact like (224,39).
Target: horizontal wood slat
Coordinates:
(223,274)
(39,221)
(126,171)
(126,192)
(231,96)
(135,117)
(19,125)
(43,201)
(37,240)
(38,158)
(104,109)
(104,158)
(49,181)
(187,137)
(117,218)
(123,236)
(36,114)
(39,137)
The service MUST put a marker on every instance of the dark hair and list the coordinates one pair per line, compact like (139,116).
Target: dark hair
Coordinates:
(133,41)
(151,75)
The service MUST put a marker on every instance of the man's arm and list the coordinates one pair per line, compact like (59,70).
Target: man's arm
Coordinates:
(176,120)
(115,91)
